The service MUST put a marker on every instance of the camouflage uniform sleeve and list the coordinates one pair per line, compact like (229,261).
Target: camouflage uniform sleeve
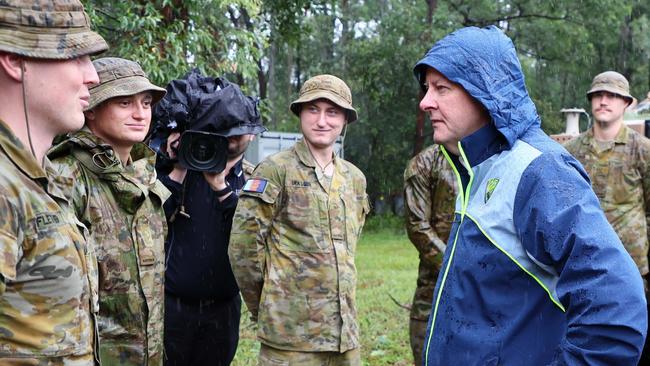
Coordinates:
(250,228)
(418,188)
(644,162)
(10,249)
(73,182)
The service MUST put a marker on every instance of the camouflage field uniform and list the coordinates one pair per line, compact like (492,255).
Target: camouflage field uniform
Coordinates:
(429,196)
(292,250)
(248,168)
(48,284)
(620,176)
(122,207)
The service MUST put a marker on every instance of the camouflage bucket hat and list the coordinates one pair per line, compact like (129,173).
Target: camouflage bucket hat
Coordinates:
(613,82)
(119,77)
(48,29)
(326,87)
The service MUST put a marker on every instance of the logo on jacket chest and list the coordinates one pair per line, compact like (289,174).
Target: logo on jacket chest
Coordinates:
(490,187)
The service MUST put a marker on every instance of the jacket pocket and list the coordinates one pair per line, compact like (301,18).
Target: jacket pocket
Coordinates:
(624,183)
(302,221)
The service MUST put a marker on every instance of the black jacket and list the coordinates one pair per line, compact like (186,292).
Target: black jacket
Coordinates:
(197,246)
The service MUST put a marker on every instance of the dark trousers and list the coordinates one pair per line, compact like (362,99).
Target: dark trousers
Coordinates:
(201,332)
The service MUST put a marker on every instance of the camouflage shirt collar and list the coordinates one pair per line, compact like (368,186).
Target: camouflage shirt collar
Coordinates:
(142,167)
(306,158)
(140,173)
(17,153)
(142,159)
(140,151)
(622,136)
(303,153)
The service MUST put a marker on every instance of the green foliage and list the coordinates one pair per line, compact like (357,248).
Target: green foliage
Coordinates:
(387,222)
(169,37)
(386,94)
(270,47)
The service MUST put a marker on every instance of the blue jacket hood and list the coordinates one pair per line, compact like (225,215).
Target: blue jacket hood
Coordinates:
(485,63)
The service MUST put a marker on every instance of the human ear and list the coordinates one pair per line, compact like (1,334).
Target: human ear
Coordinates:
(11,64)
(90,115)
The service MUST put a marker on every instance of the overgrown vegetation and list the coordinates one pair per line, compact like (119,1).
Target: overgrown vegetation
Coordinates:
(387,269)
(385,223)
(271,47)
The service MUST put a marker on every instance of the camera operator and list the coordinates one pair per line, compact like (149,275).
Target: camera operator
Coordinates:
(202,302)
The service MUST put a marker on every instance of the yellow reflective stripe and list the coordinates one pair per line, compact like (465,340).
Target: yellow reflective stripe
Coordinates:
(471,177)
(556,302)
(442,285)
(458,180)
(464,201)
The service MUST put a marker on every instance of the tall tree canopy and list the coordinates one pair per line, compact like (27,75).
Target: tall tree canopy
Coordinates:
(271,47)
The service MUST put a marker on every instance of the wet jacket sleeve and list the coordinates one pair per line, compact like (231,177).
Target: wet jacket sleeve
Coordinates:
(562,226)
(418,193)
(251,228)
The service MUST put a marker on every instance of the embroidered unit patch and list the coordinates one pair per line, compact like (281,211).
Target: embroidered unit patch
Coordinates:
(255,185)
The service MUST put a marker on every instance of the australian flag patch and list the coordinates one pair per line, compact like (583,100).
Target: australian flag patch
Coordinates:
(255,185)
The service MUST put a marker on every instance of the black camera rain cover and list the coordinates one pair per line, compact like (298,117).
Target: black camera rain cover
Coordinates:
(201,103)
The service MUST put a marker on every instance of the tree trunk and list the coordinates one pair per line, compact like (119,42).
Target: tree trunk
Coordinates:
(271,92)
(328,35)
(262,80)
(419,127)
(345,35)
(431,9)
(418,144)
(170,14)
(624,50)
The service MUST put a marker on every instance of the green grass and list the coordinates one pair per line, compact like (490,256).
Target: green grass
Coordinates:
(387,266)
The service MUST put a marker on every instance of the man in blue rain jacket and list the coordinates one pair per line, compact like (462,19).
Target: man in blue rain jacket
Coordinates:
(533,273)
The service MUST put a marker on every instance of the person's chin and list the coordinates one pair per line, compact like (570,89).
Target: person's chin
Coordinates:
(138,138)
(234,154)
(75,124)
(439,138)
(604,119)
(321,143)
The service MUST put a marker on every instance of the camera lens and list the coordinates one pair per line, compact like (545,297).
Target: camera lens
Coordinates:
(202,150)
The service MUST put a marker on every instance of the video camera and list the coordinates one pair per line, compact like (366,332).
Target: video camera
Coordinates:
(206,111)
(203,151)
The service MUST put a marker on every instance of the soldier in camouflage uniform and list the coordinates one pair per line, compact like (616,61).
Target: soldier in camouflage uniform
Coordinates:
(430,196)
(48,289)
(294,238)
(111,181)
(617,159)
